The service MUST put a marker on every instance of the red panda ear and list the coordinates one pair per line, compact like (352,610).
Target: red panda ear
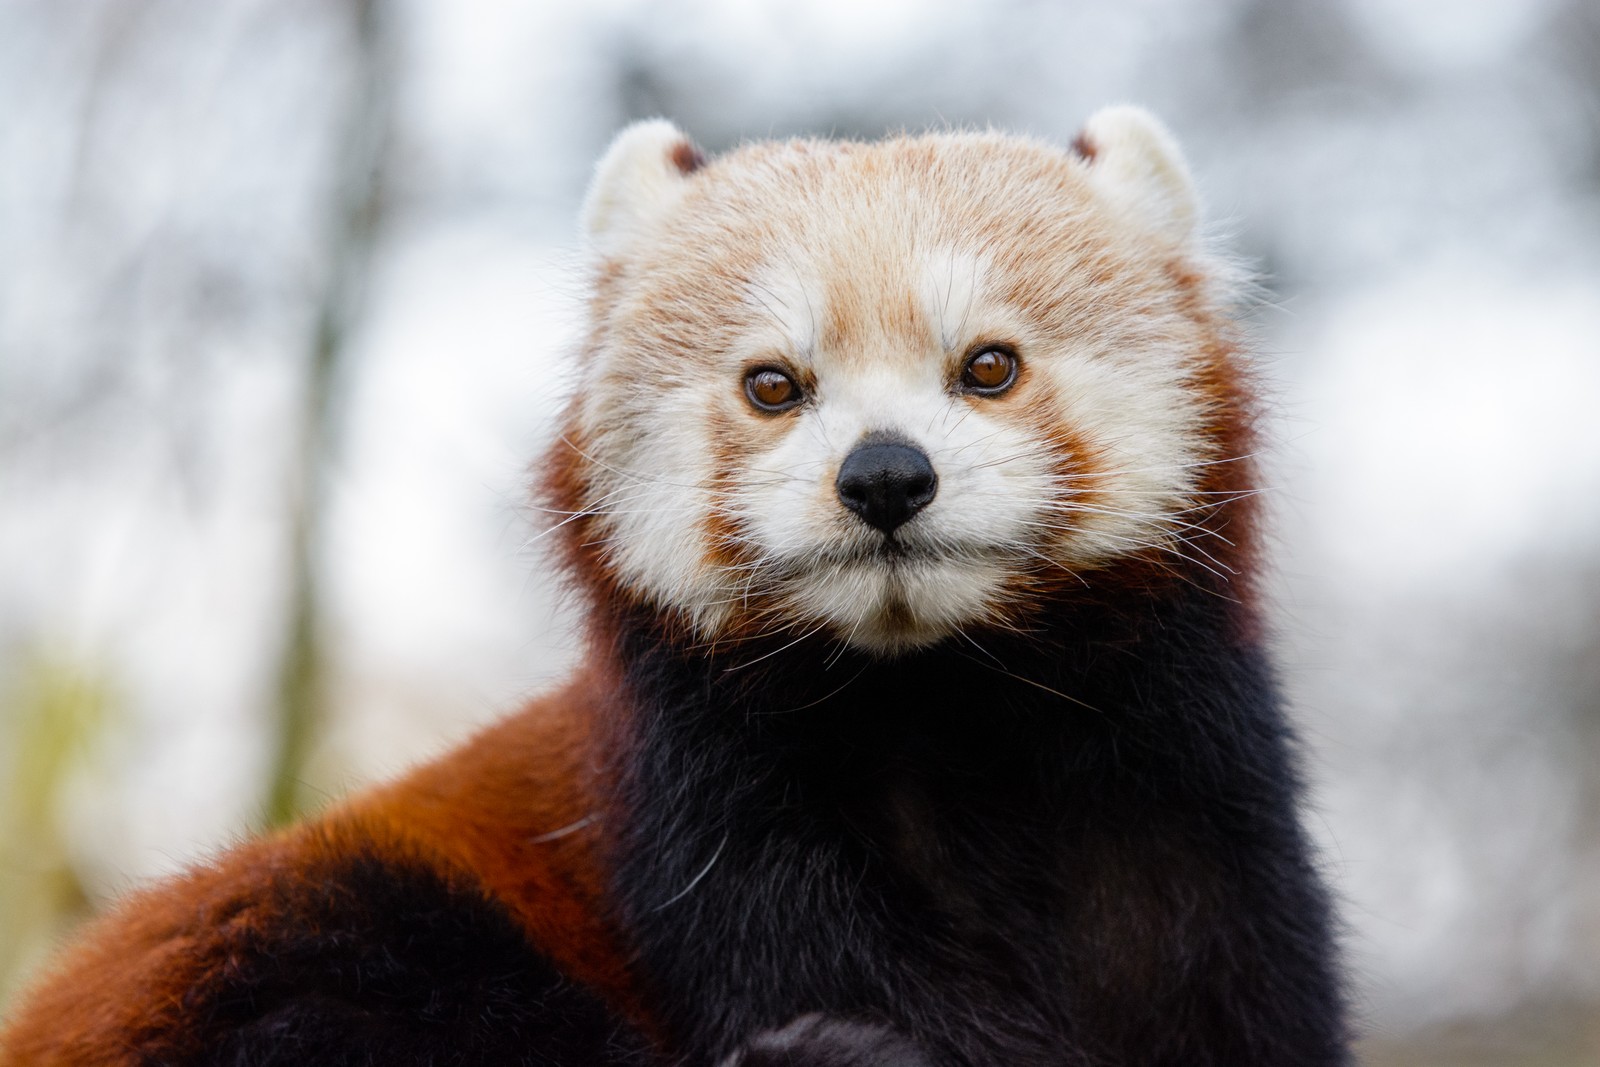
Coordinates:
(1137,165)
(638,179)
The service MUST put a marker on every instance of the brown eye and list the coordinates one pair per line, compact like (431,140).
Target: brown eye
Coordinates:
(990,370)
(771,390)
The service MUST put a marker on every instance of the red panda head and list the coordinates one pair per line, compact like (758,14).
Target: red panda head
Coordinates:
(892,391)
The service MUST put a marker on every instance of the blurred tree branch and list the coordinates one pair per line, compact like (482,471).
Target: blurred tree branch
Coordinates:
(302,692)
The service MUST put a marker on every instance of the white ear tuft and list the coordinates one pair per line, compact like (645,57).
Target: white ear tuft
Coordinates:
(640,176)
(1136,163)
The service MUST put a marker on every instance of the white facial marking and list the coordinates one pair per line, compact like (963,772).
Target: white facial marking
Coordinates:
(784,305)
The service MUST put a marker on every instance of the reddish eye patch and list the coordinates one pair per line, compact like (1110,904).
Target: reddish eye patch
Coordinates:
(770,389)
(989,371)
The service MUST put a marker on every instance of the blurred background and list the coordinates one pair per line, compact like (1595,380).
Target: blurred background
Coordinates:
(286,287)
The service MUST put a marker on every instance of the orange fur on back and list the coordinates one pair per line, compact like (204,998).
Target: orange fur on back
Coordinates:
(517,806)
(511,812)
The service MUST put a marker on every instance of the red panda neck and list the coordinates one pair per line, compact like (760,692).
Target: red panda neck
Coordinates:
(817,811)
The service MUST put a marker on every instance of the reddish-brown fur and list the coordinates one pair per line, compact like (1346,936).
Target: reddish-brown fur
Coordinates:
(515,809)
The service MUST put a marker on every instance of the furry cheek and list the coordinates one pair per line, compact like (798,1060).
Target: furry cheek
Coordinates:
(1134,431)
(654,493)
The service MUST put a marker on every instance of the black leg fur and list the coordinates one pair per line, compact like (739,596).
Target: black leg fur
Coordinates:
(390,964)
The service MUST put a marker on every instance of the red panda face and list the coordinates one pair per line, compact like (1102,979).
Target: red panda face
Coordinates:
(889,392)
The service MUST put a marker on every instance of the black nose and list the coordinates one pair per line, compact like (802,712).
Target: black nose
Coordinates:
(886,482)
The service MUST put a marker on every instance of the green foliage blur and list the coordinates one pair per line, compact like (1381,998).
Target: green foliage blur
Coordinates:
(51,715)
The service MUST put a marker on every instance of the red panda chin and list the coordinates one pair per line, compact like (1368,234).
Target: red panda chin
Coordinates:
(887,605)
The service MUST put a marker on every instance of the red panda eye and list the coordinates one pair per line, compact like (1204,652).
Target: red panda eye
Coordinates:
(771,390)
(990,370)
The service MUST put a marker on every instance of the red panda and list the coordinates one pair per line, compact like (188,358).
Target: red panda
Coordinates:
(926,718)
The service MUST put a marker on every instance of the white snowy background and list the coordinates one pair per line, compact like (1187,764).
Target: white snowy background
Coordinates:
(1418,181)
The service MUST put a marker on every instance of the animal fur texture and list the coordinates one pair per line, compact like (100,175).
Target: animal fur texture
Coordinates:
(925,722)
